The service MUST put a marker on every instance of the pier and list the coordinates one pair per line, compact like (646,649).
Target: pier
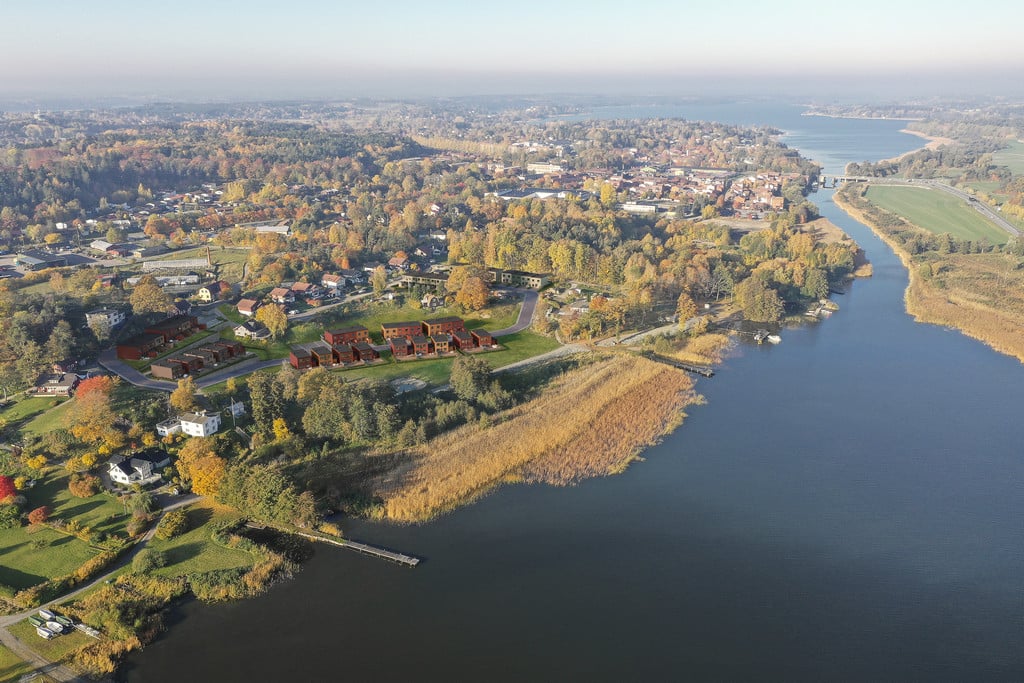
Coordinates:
(400,558)
(701,370)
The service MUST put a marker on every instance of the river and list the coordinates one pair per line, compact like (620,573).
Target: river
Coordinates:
(847,506)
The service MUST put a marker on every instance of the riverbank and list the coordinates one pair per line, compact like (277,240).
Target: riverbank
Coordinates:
(591,421)
(981,295)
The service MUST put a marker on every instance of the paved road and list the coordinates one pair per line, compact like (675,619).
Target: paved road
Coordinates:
(530,298)
(981,207)
(57,671)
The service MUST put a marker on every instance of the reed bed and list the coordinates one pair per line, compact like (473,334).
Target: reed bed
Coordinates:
(590,422)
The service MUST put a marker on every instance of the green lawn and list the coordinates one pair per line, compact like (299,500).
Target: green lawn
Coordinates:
(193,551)
(55,649)
(22,565)
(12,668)
(49,420)
(23,407)
(1012,157)
(936,211)
(230,262)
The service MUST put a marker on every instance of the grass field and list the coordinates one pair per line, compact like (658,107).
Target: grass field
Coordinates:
(12,668)
(193,551)
(231,262)
(1012,157)
(48,421)
(29,556)
(24,407)
(936,212)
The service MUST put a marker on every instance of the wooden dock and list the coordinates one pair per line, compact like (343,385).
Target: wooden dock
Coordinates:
(701,370)
(400,558)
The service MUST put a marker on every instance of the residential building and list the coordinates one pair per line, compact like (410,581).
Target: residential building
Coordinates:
(105,319)
(305,290)
(365,352)
(436,280)
(420,345)
(482,338)
(445,325)
(214,292)
(140,346)
(442,343)
(282,295)
(402,329)
(200,424)
(247,307)
(300,358)
(343,353)
(139,468)
(332,282)
(517,278)
(322,355)
(175,328)
(347,335)
(462,340)
(57,384)
(400,347)
(252,329)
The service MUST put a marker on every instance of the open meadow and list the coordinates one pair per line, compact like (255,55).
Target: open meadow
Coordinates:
(936,212)
(1012,157)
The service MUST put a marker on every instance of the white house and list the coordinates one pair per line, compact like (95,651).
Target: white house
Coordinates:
(200,424)
(251,329)
(105,318)
(139,468)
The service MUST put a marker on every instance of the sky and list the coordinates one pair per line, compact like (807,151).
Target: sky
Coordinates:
(290,48)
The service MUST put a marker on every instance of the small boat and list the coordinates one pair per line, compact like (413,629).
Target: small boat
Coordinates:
(47,614)
(55,627)
(36,621)
(774,338)
(64,621)
(44,632)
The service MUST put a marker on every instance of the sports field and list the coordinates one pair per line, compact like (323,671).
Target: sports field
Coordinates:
(936,211)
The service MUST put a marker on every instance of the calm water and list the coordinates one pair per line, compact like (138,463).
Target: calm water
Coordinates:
(847,506)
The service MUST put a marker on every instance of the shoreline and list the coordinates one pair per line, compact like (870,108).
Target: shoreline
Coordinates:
(859,118)
(921,298)
(934,142)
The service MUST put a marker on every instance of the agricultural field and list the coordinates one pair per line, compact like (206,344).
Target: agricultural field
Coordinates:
(1011,157)
(936,212)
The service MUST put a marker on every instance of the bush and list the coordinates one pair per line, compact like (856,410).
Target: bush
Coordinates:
(147,560)
(39,515)
(174,523)
(10,516)
(136,526)
(84,485)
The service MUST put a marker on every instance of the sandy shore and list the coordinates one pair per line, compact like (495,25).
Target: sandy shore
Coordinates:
(934,142)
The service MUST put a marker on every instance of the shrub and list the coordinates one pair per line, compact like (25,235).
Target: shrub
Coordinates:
(147,560)
(174,523)
(39,515)
(10,517)
(84,485)
(7,488)
(136,526)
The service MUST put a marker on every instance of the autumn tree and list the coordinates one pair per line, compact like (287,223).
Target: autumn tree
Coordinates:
(39,515)
(470,376)
(274,317)
(147,297)
(199,465)
(379,279)
(7,488)
(760,303)
(183,399)
(92,420)
(473,294)
(685,308)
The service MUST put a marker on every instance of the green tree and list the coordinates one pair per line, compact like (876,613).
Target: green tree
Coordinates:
(470,377)
(379,279)
(760,303)
(268,400)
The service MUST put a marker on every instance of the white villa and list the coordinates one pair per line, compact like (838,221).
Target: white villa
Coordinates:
(139,468)
(193,424)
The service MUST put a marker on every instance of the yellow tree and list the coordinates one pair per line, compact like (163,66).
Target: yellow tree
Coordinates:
(147,297)
(685,308)
(274,317)
(183,399)
(207,474)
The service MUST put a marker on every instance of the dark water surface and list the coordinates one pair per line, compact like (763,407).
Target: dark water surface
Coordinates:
(849,505)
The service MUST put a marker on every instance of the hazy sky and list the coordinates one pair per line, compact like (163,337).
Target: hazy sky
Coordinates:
(291,46)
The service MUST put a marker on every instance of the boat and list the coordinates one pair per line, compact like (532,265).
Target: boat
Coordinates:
(64,621)
(36,621)
(47,614)
(44,632)
(774,338)
(55,627)
(760,336)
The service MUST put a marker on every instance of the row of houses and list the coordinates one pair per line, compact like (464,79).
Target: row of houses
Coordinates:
(306,356)
(156,337)
(195,359)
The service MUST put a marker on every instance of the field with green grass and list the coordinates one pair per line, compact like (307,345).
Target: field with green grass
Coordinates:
(193,552)
(12,668)
(48,421)
(1012,157)
(936,212)
(31,555)
(23,407)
